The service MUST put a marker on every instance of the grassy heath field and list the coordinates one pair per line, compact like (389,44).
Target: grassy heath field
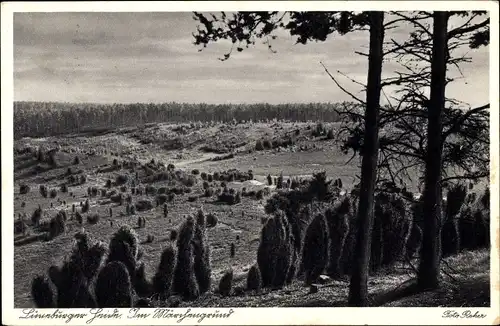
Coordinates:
(156,180)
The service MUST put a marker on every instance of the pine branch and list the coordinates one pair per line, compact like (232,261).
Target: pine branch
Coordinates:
(342,88)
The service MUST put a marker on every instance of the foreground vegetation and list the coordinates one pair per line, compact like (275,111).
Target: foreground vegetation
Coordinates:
(207,233)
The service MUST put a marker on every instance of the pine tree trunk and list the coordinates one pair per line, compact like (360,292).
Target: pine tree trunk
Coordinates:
(428,271)
(358,288)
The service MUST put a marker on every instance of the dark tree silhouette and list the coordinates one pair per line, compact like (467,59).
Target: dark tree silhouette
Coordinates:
(358,288)
(428,272)
(403,121)
(243,28)
(446,140)
(438,135)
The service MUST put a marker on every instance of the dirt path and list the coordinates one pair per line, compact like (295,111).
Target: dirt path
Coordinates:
(204,157)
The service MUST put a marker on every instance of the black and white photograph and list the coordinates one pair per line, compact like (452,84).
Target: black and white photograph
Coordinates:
(186,157)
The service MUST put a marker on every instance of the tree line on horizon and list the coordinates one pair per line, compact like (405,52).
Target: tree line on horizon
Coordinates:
(38,119)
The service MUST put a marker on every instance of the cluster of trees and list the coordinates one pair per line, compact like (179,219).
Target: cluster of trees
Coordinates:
(415,130)
(81,282)
(50,118)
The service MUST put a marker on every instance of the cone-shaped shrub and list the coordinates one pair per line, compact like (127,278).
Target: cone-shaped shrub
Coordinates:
(79,217)
(201,251)
(414,241)
(315,250)
(481,218)
(474,222)
(294,252)
(63,215)
(292,271)
(284,251)
(184,278)
(200,218)
(319,186)
(330,134)
(20,226)
(455,198)
(298,225)
(86,206)
(466,228)
(140,254)
(24,189)
(225,284)
(72,286)
(72,280)
(142,286)
(279,181)
(450,238)
(482,228)
(232,250)
(124,247)
(88,254)
(266,257)
(64,188)
(211,220)
(253,278)
(42,293)
(485,198)
(113,286)
(275,253)
(94,259)
(144,205)
(53,193)
(258,145)
(161,199)
(36,216)
(83,179)
(337,219)
(44,191)
(121,251)
(117,198)
(392,226)
(57,226)
(162,280)
(400,228)
(377,246)
(173,235)
(450,233)
(93,218)
(348,252)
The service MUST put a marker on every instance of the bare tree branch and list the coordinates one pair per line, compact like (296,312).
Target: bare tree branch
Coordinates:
(463,30)
(342,88)
(463,118)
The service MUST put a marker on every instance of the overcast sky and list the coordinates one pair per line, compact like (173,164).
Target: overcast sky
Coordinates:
(149,57)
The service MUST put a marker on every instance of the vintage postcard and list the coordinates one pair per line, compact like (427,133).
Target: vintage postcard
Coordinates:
(189,162)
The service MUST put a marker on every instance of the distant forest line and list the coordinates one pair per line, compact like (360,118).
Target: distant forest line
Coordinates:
(41,119)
